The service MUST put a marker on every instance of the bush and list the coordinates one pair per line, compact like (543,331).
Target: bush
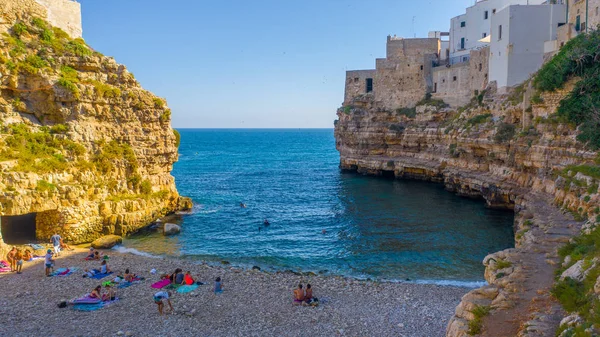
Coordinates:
(78,47)
(165,116)
(59,128)
(19,28)
(501,264)
(146,187)
(570,293)
(505,133)
(104,90)
(476,324)
(177,137)
(158,103)
(112,152)
(427,100)
(408,112)
(43,186)
(479,119)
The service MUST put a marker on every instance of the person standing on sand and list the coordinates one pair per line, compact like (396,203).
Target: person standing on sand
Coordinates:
(158,299)
(55,239)
(19,259)
(49,261)
(11,258)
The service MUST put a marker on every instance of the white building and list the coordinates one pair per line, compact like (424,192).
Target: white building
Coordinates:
(517,45)
(467,29)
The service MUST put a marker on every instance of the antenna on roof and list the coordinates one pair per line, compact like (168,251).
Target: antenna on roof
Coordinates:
(413,27)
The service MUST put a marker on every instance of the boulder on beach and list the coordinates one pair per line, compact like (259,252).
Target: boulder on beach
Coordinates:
(107,242)
(171,229)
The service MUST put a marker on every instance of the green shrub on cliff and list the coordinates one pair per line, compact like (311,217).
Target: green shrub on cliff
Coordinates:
(177,137)
(164,117)
(111,152)
(146,187)
(105,90)
(504,133)
(476,324)
(408,112)
(579,57)
(19,29)
(43,186)
(479,119)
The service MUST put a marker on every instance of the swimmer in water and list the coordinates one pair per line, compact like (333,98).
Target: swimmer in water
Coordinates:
(266,222)
(242,205)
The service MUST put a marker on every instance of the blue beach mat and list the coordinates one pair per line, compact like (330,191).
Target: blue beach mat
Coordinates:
(93,307)
(187,288)
(101,276)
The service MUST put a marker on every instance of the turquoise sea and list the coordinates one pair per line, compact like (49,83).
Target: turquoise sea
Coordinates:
(321,220)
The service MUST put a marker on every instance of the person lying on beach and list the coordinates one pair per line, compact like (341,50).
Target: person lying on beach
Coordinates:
(49,262)
(63,245)
(96,293)
(104,267)
(299,295)
(27,256)
(110,294)
(90,273)
(10,257)
(218,286)
(158,299)
(19,261)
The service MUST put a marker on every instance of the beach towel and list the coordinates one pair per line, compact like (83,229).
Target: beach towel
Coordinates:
(93,306)
(160,284)
(173,286)
(187,288)
(100,276)
(35,246)
(86,300)
(59,271)
(68,272)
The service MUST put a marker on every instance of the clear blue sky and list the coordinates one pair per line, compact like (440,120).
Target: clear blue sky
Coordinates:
(254,63)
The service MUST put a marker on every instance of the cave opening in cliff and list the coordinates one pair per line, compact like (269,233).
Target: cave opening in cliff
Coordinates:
(18,229)
(388,174)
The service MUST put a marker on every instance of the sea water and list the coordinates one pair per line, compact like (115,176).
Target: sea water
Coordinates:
(321,219)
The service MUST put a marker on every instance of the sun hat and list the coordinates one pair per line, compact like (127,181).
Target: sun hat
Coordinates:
(49,251)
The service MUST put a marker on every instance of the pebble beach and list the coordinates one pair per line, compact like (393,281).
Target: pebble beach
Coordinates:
(254,303)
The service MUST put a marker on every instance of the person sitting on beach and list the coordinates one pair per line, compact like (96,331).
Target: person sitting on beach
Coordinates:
(96,293)
(110,294)
(299,295)
(49,261)
(308,297)
(129,277)
(218,286)
(19,261)
(27,256)
(97,255)
(63,245)
(188,279)
(158,299)
(104,267)
(11,259)
(177,276)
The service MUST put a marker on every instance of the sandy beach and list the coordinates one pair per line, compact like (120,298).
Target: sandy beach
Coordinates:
(253,303)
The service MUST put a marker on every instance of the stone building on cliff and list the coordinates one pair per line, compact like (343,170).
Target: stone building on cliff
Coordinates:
(494,42)
(64,14)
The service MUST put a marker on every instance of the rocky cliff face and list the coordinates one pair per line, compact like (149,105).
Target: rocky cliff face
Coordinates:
(81,143)
(483,150)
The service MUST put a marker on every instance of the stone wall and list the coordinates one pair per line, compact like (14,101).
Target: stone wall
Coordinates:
(479,68)
(356,83)
(452,84)
(404,76)
(65,14)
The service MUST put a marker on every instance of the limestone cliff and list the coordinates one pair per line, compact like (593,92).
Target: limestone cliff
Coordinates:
(512,154)
(81,143)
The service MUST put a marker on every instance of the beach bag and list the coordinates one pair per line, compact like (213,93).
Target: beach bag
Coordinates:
(62,304)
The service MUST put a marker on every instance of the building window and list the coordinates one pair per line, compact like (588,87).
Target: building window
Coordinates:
(463,23)
(462,43)
(583,26)
(356,79)
(444,81)
(421,67)
(369,84)
(480,66)
(435,87)
(596,11)
(499,32)
(484,35)
(494,11)
(578,23)
(454,79)
(485,15)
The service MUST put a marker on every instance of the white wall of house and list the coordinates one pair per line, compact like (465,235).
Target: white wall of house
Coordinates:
(519,52)
(477,25)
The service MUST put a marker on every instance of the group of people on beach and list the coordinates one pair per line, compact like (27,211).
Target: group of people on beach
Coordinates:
(16,257)
(304,297)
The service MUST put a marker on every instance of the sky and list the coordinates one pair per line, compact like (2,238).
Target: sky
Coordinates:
(254,63)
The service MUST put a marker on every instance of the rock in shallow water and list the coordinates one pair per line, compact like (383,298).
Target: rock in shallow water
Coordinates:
(107,242)
(171,229)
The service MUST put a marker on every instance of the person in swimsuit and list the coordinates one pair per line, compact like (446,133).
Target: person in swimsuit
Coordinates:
(299,295)
(19,259)
(110,294)
(104,267)
(188,279)
(96,293)
(27,256)
(11,259)
(49,261)
(308,297)
(63,245)
(129,277)
(158,299)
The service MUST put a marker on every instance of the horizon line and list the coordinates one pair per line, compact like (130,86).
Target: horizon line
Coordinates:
(258,128)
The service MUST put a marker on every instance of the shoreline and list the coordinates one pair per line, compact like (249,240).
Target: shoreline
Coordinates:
(254,303)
